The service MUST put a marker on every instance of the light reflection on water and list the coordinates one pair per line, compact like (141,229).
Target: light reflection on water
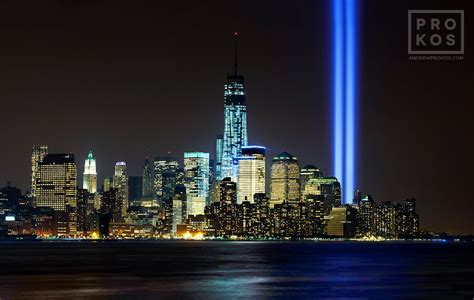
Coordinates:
(214,270)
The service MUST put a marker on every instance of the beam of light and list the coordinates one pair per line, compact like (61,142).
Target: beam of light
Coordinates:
(344,63)
(338,88)
(349,180)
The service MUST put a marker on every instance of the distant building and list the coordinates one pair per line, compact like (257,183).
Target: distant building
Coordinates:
(111,205)
(10,198)
(98,225)
(56,181)
(108,184)
(38,152)
(196,181)
(135,187)
(147,187)
(308,172)
(251,173)
(89,181)
(328,187)
(166,172)
(342,222)
(177,214)
(285,179)
(83,208)
(120,182)
(219,150)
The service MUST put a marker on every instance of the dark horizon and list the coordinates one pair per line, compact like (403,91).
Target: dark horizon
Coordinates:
(134,80)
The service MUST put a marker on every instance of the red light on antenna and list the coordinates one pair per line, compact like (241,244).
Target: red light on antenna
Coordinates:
(236,33)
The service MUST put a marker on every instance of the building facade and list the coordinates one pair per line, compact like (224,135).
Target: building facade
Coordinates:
(235,120)
(251,173)
(38,152)
(89,180)
(285,179)
(56,182)
(147,187)
(120,182)
(196,181)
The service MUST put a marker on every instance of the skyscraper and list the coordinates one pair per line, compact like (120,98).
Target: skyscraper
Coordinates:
(235,119)
(120,182)
(219,149)
(147,187)
(285,179)
(308,172)
(135,184)
(251,173)
(56,181)
(38,152)
(165,168)
(196,181)
(89,181)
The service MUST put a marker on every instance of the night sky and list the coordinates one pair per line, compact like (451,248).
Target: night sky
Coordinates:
(129,79)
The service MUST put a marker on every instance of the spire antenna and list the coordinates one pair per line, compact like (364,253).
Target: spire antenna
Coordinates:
(236,35)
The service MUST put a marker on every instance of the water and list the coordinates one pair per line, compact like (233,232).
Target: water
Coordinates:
(218,270)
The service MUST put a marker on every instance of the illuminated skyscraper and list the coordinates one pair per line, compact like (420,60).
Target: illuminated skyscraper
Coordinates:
(120,182)
(196,181)
(328,187)
(165,168)
(235,119)
(285,179)
(219,149)
(147,187)
(56,182)
(38,152)
(251,173)
(308,172)
(89,181)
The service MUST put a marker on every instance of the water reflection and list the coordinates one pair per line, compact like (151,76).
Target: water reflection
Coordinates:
(213,270)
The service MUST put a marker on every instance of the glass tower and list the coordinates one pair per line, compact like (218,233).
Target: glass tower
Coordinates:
(219,149)
(165,169)
(196,181)
(251,173)
(38,152)
(147,187)
(235,119)
(120,182)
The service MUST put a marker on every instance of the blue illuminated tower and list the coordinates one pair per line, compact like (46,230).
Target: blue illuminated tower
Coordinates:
(219,149)
(235,119)
(344,94)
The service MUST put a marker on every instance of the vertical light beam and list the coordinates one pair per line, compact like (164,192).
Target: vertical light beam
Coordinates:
(344,64)
(338,65)
(350,47)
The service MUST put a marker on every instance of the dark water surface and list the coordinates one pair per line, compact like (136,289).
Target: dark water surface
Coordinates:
(225,270)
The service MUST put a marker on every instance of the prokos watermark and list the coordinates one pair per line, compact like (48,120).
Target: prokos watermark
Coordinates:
(436,34)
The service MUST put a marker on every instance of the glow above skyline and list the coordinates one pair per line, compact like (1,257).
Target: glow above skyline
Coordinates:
(344,90)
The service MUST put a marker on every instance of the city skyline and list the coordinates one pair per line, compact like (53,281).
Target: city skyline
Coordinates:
(260,134)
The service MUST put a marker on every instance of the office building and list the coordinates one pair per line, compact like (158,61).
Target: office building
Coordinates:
(56,181)
(120,182)
(251,173)
(165,177)
(219,150)
(38,152)
(196,180)
(285,179)
(147,187)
